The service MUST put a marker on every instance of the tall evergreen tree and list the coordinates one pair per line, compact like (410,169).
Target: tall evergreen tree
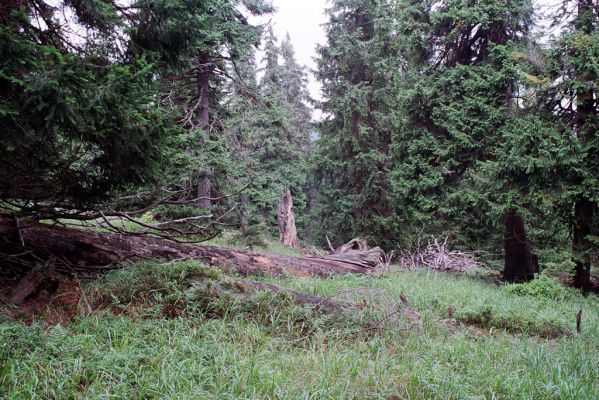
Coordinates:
(473,150)
(197,43)
(458,95)
(273,127)
(356,69)
(99,86)
(574,100)
(79,115)
(295,85)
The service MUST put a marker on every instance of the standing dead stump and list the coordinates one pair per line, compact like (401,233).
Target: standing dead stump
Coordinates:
(286,219)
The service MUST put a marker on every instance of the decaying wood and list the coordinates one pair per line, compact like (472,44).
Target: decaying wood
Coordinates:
(27,285)
(286,220)
(356,252)
(354,244)
(81,251)
(437,255)
(63,291)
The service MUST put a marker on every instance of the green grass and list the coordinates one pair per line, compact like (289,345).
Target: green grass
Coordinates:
(231,347)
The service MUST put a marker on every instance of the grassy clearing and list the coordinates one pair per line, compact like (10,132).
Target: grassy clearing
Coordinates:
(229,347)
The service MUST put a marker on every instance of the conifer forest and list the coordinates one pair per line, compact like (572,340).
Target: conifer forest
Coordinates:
(192,209)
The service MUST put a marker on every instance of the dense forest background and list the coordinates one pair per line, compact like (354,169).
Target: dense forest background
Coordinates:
(455,118)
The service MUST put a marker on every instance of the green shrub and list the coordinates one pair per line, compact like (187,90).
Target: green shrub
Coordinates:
(543,287)
(556,261)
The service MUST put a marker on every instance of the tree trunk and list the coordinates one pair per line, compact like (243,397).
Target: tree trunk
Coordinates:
(582,248)
(204,72)
(519,264)
(286,219)
(354,244)
(205,189)
(83,251)
(584,208)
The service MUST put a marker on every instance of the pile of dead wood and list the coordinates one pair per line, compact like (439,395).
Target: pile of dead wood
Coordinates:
(437,255)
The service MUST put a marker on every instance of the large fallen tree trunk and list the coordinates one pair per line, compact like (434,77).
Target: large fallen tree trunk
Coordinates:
(80,251)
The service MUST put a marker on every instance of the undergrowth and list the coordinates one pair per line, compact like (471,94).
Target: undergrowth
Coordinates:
(193,291)
(183,331)
(528,322)
(542,287)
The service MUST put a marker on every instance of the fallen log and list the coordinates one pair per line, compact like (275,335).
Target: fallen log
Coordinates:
(77,250)
(357,252)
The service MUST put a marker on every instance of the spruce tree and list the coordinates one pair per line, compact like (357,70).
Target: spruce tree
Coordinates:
(573,100)
(129,103)
(457,94)
(294,85)
(356,69)
(197,44)
(79,116)
(272,129)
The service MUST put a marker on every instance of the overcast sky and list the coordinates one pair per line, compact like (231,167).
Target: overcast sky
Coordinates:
(303,20)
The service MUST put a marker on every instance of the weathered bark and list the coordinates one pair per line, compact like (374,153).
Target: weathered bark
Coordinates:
(286,219)
(77,250)
(357,251)
(205,189)
(204,71)
(354,244)
(519,265)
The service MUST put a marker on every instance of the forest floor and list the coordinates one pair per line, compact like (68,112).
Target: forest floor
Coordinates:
(182,330)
